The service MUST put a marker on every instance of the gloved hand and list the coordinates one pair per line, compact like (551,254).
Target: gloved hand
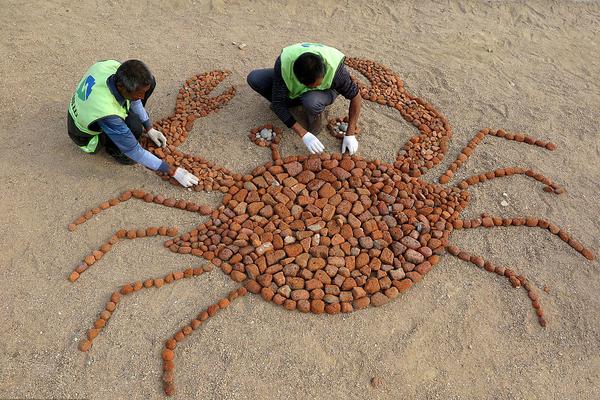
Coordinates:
(157,137)
(313,144)
(185,178)
(350,143)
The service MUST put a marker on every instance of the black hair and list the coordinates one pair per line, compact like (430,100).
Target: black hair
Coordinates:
(308,68)
(133,75)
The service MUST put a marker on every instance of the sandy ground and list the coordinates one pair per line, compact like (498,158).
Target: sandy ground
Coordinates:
(460,334)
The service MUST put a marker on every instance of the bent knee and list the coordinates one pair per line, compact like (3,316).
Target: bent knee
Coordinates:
(252,80)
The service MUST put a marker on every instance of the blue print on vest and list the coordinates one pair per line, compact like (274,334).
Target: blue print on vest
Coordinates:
(85,88)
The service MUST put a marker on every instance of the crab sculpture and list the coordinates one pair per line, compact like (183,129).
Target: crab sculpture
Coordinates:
(321,234)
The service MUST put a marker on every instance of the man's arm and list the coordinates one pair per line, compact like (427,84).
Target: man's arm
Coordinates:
(353,113)
(116,129)
(344,85)
(137,108)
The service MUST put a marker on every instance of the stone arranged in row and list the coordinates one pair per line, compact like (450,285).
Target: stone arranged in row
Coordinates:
(148,198)
(468,150)
(549,187)
(121,234)
(487,221)
(168,353)
(129,288)
(515,280)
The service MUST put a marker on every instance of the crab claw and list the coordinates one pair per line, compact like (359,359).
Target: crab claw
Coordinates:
(194,98)
(193,102)
(384,83)
(422,151)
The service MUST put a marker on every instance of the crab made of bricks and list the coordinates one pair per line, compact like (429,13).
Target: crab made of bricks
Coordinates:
(323,234)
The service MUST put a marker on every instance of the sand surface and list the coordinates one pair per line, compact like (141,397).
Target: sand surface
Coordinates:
(459,334)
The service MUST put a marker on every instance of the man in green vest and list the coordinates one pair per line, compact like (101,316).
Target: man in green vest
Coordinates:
(107,110)
(311,75)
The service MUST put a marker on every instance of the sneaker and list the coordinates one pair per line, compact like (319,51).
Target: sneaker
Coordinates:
(315,123)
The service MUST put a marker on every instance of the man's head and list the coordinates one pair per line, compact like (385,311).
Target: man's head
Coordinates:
(133,79)
(309,69)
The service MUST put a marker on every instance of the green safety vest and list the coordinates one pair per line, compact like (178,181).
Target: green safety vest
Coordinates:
(332,58)
(93,100)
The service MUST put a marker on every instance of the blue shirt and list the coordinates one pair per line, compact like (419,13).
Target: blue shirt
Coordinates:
(115,128)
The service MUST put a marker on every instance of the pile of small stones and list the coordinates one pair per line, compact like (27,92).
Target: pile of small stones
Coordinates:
(265,135)
(338,127)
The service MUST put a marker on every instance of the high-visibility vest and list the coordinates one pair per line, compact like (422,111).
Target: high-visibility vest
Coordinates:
(332,58)
(93,100)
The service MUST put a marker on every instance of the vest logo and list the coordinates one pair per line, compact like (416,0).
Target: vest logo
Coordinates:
(85,88)
(311,45)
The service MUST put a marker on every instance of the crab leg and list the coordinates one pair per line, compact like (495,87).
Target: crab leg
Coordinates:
(475,179)
(96,255)
(467,151)
(275,155)
(168,354)
(490,222)
(129,288)
(141,195)
(515,280)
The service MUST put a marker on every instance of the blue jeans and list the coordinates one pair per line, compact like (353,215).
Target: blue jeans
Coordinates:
(313,101)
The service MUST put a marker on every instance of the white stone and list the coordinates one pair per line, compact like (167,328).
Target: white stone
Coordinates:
(263,248)
(266,134)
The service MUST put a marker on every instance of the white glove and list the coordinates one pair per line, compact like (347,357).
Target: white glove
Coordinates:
(350,143)
(313,144)
(157,137)
(185,178)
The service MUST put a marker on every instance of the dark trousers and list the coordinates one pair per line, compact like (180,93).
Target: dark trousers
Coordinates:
(313,101)
(132,121)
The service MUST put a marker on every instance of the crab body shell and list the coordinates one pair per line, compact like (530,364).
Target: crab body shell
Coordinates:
(327,233)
